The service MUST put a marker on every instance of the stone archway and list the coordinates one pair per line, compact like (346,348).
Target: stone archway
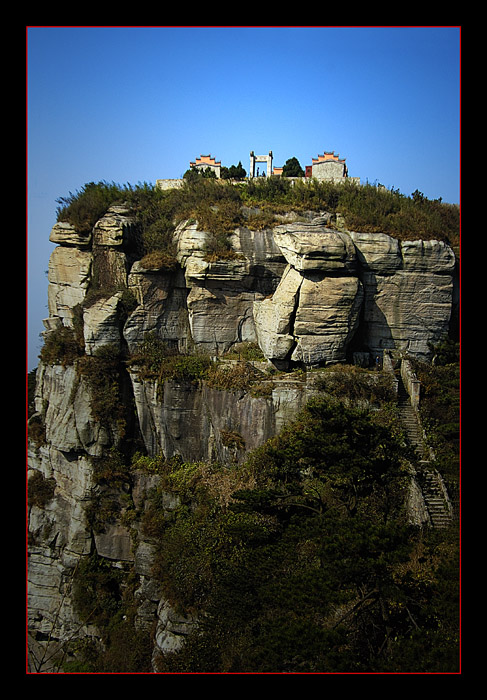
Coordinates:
(260,159)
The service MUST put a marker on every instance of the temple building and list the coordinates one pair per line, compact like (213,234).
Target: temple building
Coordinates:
(204,162)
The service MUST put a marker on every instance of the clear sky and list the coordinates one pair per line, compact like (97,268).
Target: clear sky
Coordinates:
(134,104)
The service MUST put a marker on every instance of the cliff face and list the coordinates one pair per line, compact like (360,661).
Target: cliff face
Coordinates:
(306,294)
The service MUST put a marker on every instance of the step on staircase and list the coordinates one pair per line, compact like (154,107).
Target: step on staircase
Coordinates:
(435,498)
(434,493)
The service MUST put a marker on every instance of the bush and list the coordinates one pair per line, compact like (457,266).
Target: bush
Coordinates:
(373,208)
(354,384)
(232,377)
(153,359)
(83,208)
(160,261)
(40,490)
(287,577)
(62,346)
(37,430)
(102,372)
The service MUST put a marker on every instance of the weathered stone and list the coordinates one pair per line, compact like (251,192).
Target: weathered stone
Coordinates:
(64,233)
(171,628)
(222,291)
(101,324)
(114,543)
(69,275)
(326,318)
(162,307)
(274,317)
(312,246)
(191,420)
(65,401)
(115,228)
(408,292)
(377,252)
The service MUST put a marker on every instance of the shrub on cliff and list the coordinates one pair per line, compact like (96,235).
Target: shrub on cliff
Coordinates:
(154,359)
(62,346)
(311,567)
(83,208)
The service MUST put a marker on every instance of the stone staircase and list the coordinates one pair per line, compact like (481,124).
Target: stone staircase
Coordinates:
(432,487)
(435,498)
(409,419)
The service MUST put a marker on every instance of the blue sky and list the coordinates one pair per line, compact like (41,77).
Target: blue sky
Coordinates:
(134,104)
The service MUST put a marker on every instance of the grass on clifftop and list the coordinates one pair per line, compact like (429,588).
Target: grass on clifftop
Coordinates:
(220,206)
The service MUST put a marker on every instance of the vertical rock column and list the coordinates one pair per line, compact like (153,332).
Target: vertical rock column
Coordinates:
(313,314)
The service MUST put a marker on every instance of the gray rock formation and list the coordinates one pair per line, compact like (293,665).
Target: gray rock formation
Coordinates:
(305,293)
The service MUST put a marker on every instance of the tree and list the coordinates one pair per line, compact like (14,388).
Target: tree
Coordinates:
(292,168)
(308,570)
(234,172)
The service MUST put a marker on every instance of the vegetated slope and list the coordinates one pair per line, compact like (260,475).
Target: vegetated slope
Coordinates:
(220,206)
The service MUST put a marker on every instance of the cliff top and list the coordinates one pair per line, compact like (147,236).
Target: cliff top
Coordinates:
(221,206)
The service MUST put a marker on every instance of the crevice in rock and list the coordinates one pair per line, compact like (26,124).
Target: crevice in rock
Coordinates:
(292,321)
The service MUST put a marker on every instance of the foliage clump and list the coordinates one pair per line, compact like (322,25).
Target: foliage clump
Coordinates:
(40,490)
(155,359)
(309,563)
(103,375)
(368,207)
(103,595)
(63,345)
(355,384)
(219,207)
(83,208)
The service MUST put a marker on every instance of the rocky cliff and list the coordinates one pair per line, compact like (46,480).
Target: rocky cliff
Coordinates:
(301,295)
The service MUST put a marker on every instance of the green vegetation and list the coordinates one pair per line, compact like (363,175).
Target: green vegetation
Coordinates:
(83,208)
(219,207)
(292,168)
(104,596)
(103,373)
(301,560)
(440,409)
(354,384)
(154,359)
(64,345)
(40,490)
(367,208)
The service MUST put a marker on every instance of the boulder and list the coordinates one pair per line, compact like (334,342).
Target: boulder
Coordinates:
(64,233)
(326,318)
(274,317)
(313,246)
(162,307)
(116,228)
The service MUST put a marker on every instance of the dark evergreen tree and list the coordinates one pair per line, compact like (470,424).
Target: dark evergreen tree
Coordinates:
(292,168)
